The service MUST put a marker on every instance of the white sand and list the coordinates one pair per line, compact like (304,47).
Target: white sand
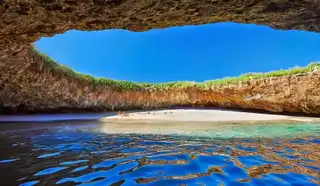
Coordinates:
(209,123)
(203,115)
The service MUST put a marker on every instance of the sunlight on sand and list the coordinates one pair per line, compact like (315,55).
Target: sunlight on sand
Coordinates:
(208,123)
(203,116)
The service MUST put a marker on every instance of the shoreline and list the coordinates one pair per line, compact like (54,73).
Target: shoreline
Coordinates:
(205,115)
(182,114)
(105,111)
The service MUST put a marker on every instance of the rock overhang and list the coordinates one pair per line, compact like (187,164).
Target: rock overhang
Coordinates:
(25,21)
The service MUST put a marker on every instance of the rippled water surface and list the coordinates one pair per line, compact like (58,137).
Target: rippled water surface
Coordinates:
(84,153)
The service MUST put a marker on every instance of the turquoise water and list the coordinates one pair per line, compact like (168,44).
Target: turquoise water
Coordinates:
(260,130)
(93,153)
(213,130)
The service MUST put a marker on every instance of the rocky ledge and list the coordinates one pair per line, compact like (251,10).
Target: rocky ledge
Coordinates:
(27,85)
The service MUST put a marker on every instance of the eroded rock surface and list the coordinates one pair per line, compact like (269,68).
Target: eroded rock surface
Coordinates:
(27,86)
(25,21)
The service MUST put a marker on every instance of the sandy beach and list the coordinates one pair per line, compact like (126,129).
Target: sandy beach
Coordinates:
(174,115)
(206,123)
(190,122)
(204,115)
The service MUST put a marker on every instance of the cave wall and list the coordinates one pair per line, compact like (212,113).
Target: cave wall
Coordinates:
(26,86)
(31,87)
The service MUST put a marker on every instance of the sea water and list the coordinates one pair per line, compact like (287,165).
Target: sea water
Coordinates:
(161,153)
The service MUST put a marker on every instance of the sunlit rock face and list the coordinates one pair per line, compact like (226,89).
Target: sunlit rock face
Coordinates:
(26,86)
(29,86)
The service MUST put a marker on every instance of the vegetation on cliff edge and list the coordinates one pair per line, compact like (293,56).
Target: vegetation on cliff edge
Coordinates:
(53,66)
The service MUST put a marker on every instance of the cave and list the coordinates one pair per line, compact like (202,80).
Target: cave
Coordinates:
(29,85)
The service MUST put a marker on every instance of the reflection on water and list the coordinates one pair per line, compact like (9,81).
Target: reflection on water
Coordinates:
(87,154)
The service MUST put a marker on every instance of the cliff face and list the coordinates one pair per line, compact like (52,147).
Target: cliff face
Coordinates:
(27,86)
(31,87)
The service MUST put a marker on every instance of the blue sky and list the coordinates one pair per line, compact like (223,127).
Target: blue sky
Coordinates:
(194,53)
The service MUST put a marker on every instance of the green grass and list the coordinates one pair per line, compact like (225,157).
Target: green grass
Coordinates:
(128,85)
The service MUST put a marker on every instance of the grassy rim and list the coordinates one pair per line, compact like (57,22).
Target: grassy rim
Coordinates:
(128,85)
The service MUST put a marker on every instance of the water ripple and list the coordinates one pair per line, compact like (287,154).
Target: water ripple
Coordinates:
(84,157)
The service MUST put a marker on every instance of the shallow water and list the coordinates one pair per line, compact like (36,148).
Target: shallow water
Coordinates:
(95,153)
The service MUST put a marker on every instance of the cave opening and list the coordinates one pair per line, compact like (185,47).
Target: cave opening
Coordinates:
(140,60)
(188,53)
